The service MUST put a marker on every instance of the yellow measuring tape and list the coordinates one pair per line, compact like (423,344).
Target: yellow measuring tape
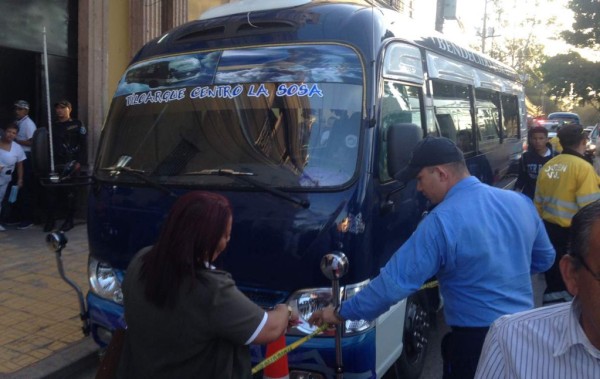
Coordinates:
(287,349)
(275,357)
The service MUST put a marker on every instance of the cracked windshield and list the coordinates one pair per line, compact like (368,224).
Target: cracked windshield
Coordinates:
(287,116)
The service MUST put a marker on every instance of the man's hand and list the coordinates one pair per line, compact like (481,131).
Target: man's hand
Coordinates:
(294,318)
(325,315)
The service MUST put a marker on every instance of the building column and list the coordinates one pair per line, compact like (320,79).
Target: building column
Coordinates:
(92,95)
(150,19)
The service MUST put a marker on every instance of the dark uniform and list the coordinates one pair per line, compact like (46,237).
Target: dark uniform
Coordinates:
(68,142)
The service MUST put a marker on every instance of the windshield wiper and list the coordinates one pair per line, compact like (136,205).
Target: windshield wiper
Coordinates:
(121,166)
(246,177)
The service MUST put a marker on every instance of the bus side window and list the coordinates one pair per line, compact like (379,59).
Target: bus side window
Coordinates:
(446,126)
(451,102)
(488,115)
(464,140)
(400,104)
(510,116)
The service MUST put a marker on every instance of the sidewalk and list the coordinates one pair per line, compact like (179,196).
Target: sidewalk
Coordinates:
(40,329)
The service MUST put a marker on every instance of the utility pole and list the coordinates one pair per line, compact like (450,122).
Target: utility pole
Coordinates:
(439,16)
(484,29)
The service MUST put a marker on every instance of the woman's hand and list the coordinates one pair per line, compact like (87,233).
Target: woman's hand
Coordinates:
(293,318)
(277,323)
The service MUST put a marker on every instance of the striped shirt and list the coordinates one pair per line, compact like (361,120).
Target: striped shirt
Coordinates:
(546,343)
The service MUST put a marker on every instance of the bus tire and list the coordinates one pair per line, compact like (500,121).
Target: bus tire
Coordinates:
(40,152)
(416,336)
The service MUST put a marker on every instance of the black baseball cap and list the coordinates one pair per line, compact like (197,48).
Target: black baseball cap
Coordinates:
(63,103)
(571,135)
(430,151)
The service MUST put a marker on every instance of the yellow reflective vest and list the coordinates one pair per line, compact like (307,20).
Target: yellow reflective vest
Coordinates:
(565,184)
(556,146)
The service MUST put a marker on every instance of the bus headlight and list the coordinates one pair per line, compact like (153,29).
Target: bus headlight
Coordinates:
(309,300)
(104,281)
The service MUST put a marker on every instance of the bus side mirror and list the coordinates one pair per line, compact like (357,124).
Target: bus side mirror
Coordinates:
(56,241)
(401,140)
(334,265)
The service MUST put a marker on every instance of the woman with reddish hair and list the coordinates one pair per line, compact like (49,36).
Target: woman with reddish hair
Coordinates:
(184,317)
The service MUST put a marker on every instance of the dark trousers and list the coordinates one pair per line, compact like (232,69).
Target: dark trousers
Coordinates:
(61,200)
(461,349)
(559,237)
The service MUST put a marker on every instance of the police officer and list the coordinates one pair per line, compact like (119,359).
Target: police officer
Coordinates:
(68,141)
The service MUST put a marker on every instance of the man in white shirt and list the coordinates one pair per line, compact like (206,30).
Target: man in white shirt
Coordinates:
(24,138)
(26,125)
(558,341)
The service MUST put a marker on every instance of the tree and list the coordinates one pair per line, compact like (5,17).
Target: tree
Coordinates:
(572,79)
(515,36)
(586,28)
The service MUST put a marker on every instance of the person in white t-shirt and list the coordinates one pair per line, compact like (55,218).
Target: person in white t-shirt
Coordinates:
(11,158)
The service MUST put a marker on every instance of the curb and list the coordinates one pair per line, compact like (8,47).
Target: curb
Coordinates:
(64,363)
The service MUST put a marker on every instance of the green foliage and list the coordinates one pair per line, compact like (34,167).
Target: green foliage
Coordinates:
(514,37)
(586,28)
(572,78)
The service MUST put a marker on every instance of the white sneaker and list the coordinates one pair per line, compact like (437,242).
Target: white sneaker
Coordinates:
(2,228)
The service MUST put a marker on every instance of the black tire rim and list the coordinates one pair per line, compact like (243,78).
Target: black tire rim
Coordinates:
(416,327)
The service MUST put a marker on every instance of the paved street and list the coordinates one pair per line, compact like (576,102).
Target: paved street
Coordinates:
(40,329)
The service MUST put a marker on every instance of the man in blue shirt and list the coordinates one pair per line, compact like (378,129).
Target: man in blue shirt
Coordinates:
(483,243)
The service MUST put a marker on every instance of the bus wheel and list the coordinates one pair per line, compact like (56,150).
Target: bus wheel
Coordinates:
(416,337)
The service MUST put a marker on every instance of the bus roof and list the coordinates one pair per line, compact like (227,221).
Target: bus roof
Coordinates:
(253,22)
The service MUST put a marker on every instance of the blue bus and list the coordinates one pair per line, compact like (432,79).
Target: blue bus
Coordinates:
(301,113)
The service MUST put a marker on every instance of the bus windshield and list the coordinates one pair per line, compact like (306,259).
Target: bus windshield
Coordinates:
(289,116)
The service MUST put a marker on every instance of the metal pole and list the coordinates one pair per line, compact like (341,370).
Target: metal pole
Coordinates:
(339,366)
(334,266)
(82,311)
(439,16)
(47,81)
(484,29)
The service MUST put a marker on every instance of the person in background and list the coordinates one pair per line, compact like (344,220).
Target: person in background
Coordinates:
(185,318)
(68,136)
(565,184)
(11,158)
(557,341)
(539,152)
(596,160)
(555,141)
(481,250)
(24,205)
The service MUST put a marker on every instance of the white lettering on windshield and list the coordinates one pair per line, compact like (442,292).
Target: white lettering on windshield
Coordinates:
(155,97)
(261,91)
(223,92)
(298,90)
